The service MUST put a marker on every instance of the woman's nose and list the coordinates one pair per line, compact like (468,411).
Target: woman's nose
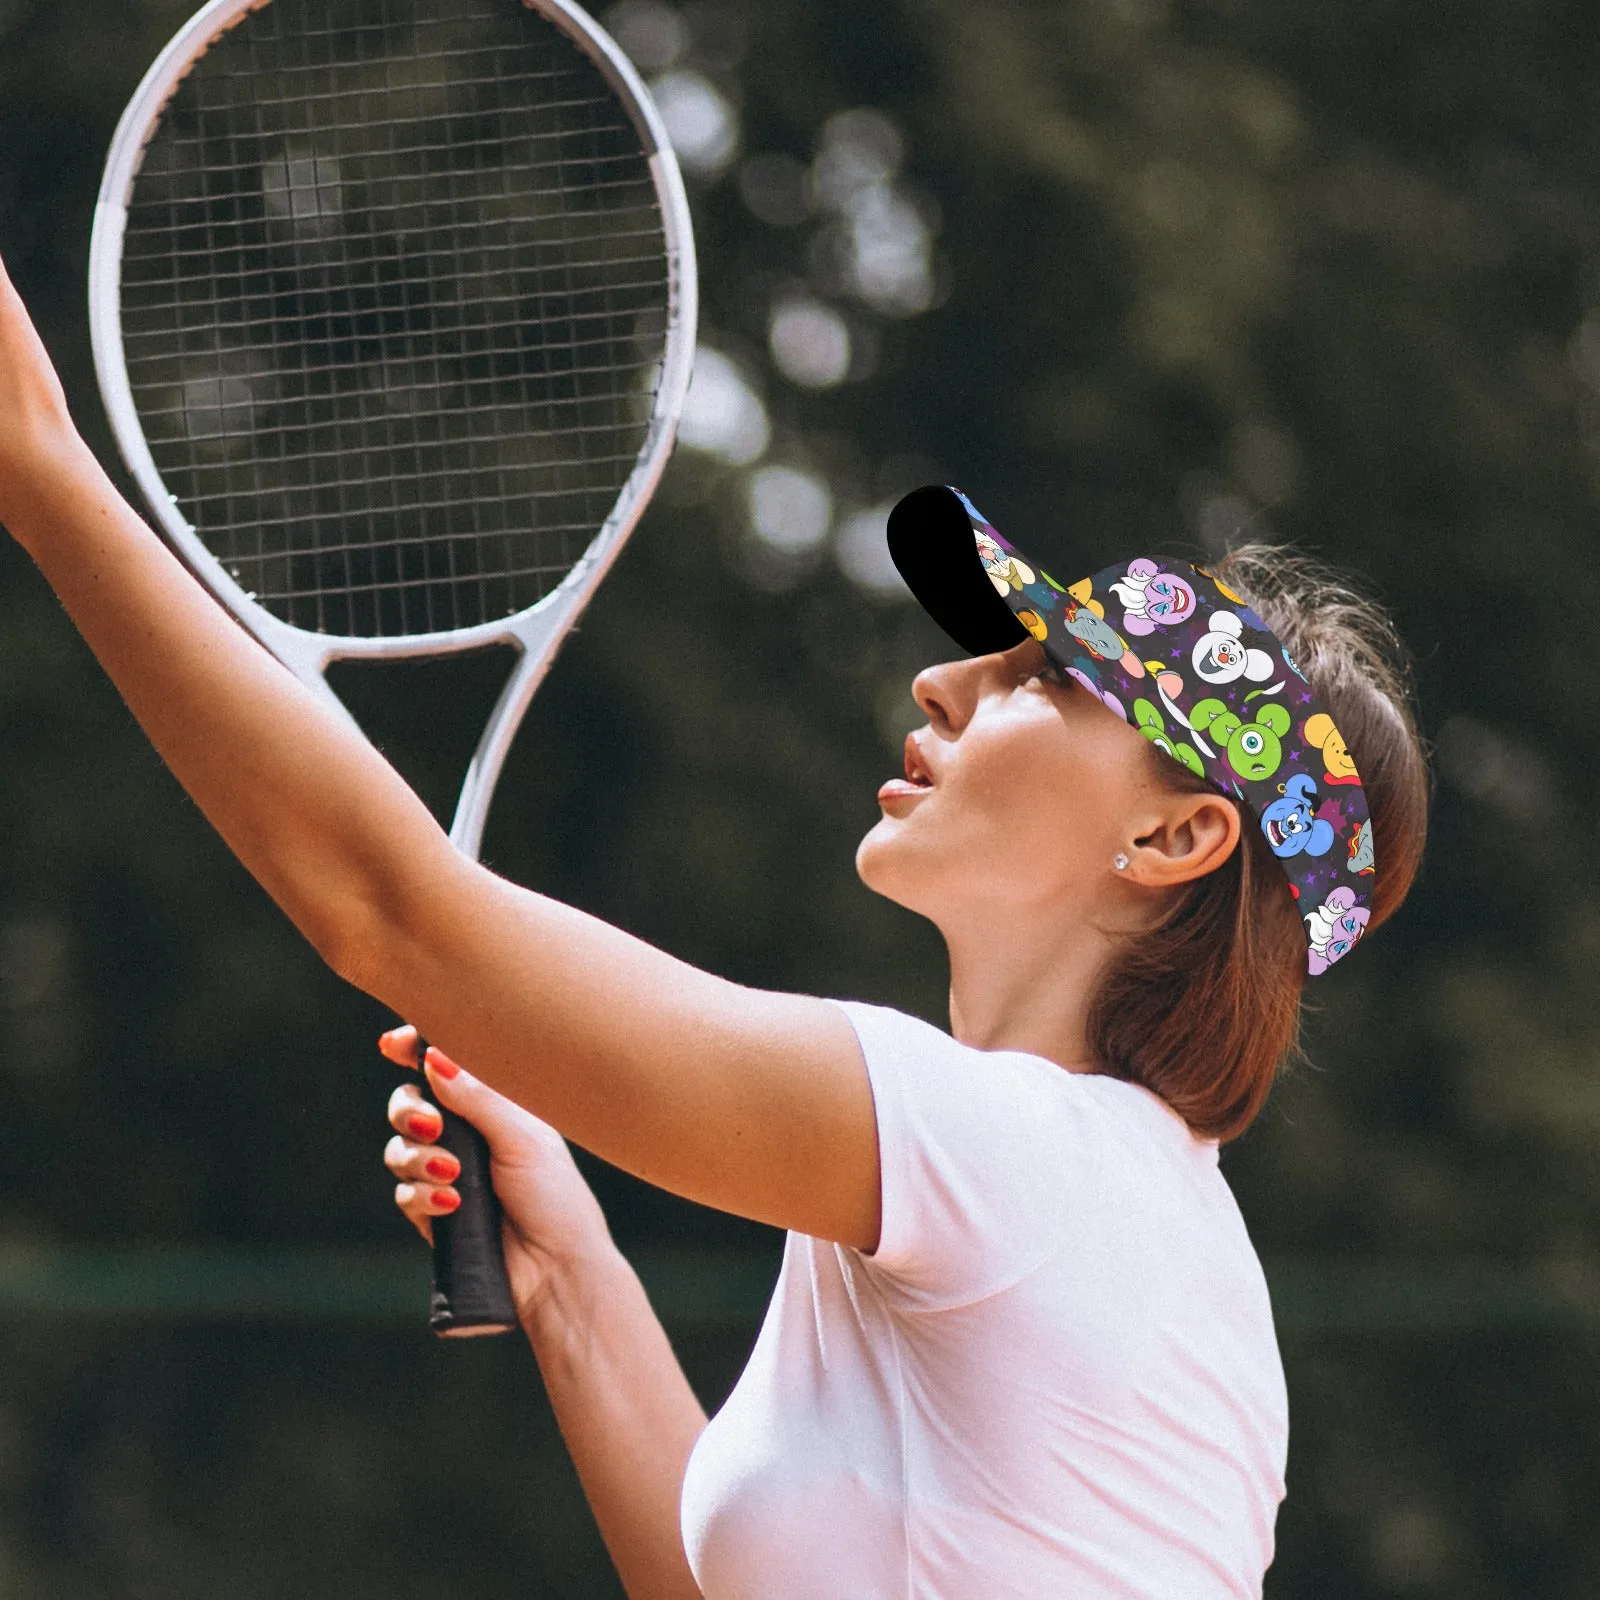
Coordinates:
(949,692)
(938,691)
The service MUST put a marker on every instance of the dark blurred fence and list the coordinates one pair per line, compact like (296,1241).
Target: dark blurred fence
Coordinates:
(697,1289)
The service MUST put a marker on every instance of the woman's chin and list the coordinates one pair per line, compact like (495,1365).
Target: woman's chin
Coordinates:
(882,860)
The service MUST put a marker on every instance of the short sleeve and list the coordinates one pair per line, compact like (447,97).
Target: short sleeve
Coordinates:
(976,1150)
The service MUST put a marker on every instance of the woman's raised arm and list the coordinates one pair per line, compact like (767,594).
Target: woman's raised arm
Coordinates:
(751,1102)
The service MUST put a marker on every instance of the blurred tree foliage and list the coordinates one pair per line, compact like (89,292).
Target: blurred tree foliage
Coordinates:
(1134,272)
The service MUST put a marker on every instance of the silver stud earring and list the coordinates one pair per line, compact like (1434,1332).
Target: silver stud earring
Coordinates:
(1120,861)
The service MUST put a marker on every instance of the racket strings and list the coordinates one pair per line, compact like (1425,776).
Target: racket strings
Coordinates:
(394,301)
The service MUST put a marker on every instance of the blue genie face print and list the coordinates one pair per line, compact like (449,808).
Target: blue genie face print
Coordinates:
(1289,824)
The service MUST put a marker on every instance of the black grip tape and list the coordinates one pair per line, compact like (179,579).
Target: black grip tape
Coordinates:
(471,1292)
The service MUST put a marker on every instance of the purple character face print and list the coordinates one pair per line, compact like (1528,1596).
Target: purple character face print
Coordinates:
(1291,826)
(1168,599)
(1083,672)
(1153,599)
(1334,929)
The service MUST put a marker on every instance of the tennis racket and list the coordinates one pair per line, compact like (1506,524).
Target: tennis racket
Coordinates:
(393,306)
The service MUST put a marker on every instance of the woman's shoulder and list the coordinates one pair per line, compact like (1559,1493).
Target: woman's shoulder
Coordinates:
(994,1163)
(918,1051)
(923,1062)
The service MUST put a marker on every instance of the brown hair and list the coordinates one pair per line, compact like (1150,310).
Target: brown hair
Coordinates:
(1203,1008)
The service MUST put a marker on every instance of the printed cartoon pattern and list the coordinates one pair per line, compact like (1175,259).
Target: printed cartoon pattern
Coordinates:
(1254,749)
(1153,599)
(1221,656)
(1336,760)
(1334,927)
(1215,689)
(1085,672)
(1361,848)
(1291,826)
(1154,727)
(1094,633)
(1005,571)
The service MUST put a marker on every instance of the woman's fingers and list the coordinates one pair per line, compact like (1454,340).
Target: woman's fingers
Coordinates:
(422,1202)
(426,1199)
(399,1045)
(420,1163)
(426,1172)
(496,1117)
(411,1115)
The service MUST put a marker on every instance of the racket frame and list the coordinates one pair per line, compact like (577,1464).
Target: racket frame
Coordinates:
(535,633)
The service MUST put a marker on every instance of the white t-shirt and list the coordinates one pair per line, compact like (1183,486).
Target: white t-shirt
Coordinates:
(1055,1379)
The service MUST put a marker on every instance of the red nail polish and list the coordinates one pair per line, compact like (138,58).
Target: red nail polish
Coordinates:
(443,1168)
(442,1064)
(447,1200)
(425,1127)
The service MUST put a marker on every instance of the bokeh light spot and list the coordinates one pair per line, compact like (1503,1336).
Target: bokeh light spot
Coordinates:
(723,415)
(790,509)
(652,35)
(776,188)
(861,549)
(810,343)
(700,121)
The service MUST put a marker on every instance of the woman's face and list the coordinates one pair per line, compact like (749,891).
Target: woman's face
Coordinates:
(1020,789)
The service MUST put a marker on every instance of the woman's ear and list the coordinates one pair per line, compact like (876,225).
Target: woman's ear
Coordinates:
(1195,834)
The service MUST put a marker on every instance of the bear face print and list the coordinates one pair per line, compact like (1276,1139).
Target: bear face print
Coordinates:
(1337,761)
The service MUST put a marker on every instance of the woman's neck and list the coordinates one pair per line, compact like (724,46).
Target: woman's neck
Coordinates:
(1019,986)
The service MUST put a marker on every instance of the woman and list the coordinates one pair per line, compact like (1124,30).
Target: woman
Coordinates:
(1021,1345)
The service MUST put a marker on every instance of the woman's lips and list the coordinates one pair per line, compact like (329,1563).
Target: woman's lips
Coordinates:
(916,768)
(898,790)
(917,781)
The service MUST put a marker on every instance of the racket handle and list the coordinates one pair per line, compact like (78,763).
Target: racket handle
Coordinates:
(471,1291)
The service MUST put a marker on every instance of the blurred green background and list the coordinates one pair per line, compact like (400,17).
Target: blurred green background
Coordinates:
(1155,273)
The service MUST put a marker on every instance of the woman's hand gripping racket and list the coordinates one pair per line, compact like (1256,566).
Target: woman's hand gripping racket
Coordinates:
(393,305)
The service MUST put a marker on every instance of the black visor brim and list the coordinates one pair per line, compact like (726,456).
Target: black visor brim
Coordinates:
(930,541)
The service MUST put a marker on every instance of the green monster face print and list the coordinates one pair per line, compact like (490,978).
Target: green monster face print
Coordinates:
(1254,749)
(1153,726)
